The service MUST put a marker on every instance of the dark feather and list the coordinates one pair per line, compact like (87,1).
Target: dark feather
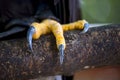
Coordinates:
(11,31)
(23,12)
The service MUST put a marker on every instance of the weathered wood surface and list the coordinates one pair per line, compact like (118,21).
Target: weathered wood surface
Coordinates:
(100,46)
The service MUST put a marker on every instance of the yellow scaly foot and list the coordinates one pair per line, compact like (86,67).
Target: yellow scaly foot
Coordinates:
(57,29)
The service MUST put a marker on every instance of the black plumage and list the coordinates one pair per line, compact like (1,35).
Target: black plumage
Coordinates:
(31,10)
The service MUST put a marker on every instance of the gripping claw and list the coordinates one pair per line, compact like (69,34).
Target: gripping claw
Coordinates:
(86,27)
(61,51)
(30,33)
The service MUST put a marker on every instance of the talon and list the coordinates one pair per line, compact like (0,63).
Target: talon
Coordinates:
(61,51)
(30,33)
(86,27)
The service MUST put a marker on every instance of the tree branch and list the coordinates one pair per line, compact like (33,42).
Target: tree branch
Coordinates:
(100,46)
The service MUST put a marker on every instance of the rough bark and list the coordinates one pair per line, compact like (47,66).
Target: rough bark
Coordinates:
(100,46)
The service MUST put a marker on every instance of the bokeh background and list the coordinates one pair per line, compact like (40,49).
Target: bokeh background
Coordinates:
(101,11)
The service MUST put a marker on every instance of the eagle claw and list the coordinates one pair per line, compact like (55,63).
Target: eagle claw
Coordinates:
(30,33)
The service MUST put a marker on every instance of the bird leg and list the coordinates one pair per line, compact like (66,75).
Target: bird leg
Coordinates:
(48,26)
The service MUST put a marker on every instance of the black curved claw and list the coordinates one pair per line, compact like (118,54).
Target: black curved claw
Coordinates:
(30,33)
(86,27)
(61,51)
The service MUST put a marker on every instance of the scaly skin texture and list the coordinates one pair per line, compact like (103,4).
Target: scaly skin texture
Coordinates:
(56,28)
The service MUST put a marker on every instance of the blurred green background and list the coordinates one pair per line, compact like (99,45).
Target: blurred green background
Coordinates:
(101,11)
